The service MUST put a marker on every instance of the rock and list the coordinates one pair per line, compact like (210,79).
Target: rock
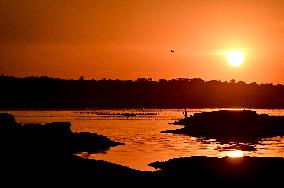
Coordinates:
(231,124)
(51,141)
(203,170)
(7,120)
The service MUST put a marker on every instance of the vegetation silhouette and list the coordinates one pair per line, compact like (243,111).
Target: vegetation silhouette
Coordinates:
(45,92)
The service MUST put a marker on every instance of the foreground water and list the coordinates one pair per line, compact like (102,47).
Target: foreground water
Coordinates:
(144,142)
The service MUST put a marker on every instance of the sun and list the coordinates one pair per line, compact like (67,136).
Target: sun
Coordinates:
(235,58)
(235,153)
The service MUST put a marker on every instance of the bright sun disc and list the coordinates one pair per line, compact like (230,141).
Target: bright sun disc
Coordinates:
(235,153)
(235,58)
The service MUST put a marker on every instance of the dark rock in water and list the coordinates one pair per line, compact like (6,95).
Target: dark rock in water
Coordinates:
(59,127)
(205,170)
(47,151)
(51,141)
(7,120)
(231,124)
(91,142)
(127,114)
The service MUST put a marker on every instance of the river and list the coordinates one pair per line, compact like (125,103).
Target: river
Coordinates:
(144,142)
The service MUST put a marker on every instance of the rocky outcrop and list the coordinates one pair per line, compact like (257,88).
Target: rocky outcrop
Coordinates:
(211,170)
(50,141)
(231,124)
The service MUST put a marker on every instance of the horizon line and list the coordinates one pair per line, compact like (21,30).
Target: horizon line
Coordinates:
(149,79)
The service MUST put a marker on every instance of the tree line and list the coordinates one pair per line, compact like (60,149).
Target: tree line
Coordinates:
(45,92)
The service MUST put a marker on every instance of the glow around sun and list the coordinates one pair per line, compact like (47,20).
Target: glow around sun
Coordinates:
(235,58)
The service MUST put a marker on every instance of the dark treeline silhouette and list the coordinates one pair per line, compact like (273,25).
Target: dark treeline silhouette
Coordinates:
(45,92)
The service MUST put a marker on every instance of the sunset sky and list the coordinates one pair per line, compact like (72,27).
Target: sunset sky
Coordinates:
(127,39)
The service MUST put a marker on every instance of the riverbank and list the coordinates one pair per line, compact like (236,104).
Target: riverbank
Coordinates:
(34,151)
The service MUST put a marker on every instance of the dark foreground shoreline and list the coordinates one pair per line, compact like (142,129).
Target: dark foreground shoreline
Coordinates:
(47,153)
(191,170)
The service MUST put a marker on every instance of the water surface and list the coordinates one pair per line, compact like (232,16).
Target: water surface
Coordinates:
(144,142)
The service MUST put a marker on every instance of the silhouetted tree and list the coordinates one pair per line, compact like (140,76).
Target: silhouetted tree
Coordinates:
(233,81)
(45,92)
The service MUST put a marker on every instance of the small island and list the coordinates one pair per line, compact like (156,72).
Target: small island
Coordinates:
(231,124)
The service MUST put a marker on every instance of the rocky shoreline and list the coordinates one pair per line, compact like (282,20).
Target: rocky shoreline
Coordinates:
(48,152)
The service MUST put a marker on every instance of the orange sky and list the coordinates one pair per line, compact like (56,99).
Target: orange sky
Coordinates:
(127,39)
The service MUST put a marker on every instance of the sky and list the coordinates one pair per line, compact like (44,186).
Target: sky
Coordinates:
(127,39)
